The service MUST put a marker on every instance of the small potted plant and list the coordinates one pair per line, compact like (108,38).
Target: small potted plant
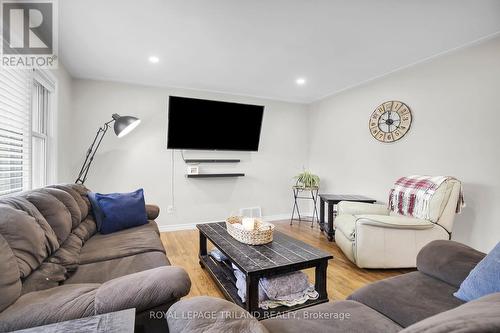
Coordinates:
(307,180)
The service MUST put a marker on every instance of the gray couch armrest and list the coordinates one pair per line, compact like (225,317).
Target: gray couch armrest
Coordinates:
(448,261)
(142,290)
(152,211)
(66,302)
(209,314)
(477,316)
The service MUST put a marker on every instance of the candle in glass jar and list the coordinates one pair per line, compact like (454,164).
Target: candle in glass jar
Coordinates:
(248,223)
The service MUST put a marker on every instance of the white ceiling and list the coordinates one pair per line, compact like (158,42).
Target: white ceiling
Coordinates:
(259,47)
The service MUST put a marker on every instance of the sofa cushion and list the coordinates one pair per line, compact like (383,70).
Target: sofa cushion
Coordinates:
(54,211)
(22,205)
(142,290)
(479,316)
(79,193)
(102,271)
(49,306)
(10,283)
(123,243)
(213,315)
(86,229)
(341,316)
(418,296)
(68,201)
(68,255)
(448,261)
(48,275)
(30,243)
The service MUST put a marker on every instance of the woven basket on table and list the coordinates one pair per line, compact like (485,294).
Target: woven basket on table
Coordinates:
(263,233)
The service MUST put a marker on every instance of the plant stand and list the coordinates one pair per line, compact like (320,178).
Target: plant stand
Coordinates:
(313,195)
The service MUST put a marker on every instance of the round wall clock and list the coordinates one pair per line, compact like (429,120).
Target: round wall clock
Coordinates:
(390,121)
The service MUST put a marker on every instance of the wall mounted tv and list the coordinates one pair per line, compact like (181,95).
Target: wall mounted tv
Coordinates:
(213,125)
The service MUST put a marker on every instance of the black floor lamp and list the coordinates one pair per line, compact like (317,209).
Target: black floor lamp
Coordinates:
(123,125)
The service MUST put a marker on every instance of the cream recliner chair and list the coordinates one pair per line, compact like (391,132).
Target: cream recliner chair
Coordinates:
(371,236)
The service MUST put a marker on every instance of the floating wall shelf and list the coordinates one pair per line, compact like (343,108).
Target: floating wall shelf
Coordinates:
(214,175)
(212,161)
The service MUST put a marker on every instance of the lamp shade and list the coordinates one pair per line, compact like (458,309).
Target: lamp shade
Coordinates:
(124,124)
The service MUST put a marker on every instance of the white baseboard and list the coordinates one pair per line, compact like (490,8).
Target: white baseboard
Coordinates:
(191,226)
(177,227)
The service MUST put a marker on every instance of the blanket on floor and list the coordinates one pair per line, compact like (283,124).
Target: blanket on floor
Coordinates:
(288,289)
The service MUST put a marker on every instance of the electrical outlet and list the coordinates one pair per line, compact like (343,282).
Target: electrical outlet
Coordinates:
(170,209)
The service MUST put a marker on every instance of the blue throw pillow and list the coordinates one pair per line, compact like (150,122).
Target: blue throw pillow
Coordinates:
(122,210)
(98,214)
(484,279)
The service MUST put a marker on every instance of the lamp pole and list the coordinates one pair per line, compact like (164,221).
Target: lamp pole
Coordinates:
(123,125)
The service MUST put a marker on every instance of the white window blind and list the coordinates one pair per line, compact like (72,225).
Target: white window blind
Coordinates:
(40,104)
(15,130)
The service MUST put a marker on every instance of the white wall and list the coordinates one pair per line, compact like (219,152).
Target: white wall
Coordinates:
(141,159)
(454,100)
(63,126)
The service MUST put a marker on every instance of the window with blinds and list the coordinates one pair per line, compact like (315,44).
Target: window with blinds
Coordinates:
(40,104)
(15,130)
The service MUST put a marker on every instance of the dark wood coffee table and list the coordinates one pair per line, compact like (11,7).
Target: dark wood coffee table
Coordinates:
(283,255)
(331,200)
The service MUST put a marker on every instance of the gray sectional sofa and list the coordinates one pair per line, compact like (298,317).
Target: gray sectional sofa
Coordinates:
(420,301)
(54,266)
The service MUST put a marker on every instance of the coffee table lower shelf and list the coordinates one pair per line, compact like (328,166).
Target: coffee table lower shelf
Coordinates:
(223,276)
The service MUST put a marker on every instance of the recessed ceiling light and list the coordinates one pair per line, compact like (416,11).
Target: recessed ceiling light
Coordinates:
(153,59)
(300,81)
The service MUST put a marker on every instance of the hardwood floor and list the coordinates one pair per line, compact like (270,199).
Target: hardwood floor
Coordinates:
(343,276)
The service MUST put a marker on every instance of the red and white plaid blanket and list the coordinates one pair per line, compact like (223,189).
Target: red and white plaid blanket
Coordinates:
(411,196)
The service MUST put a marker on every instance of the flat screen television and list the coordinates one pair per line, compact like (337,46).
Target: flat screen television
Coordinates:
(213,125)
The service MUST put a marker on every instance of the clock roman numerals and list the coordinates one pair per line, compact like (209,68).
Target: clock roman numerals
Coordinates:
(390,121)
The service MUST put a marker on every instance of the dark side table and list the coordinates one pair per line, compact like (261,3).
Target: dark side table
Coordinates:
(332,200)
